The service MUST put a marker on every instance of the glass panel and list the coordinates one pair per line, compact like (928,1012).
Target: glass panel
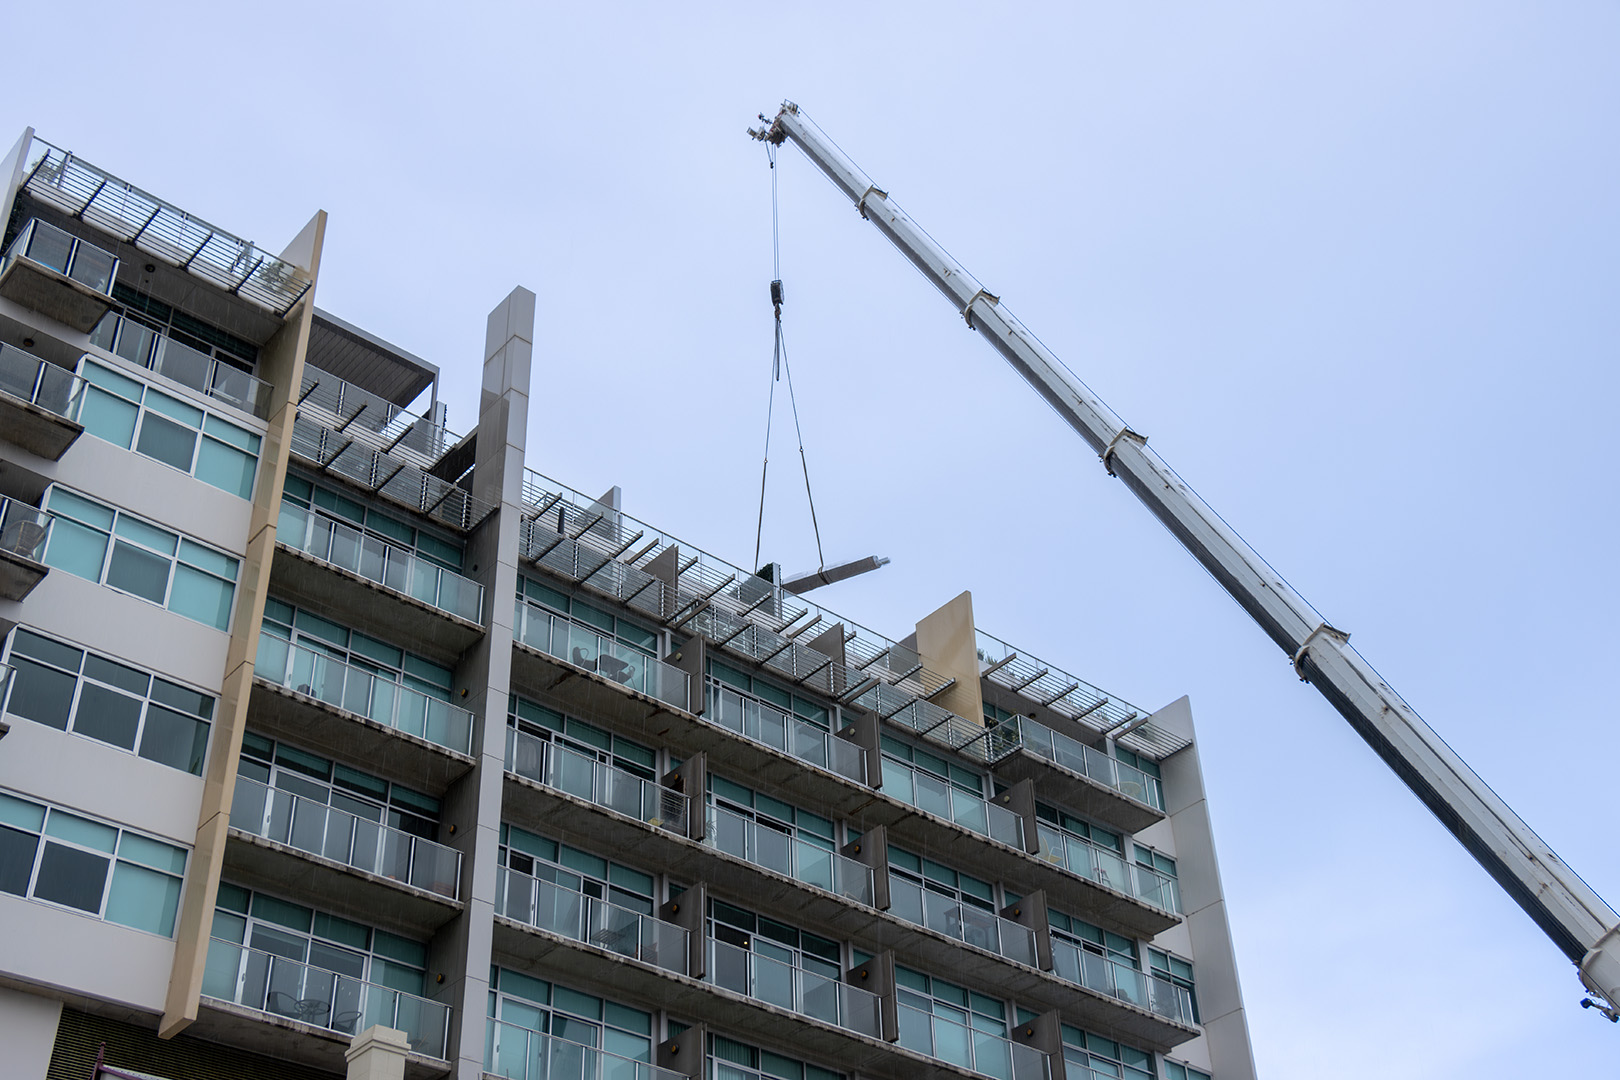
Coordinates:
(41,694)
(225,467)
(174,739)
(144,899)
(107,715)
(72,877)
(17,850)
(200,596)
(138,571)
(108,417)
(79,550)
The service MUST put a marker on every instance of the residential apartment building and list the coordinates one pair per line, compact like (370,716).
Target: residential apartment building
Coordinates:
(318,716)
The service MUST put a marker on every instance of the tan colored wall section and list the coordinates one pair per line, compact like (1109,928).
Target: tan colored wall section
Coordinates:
(946,643)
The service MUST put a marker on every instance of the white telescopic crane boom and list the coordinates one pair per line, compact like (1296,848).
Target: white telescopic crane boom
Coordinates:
(1551,893)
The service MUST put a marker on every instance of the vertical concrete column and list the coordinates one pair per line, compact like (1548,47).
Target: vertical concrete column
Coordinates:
(377,1053)
(460,955)
(1220,1003)
(281,364)
(948,647)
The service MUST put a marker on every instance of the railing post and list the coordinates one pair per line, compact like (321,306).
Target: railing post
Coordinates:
(1031,912)
(684,1053)
(876,976)
(1020,799)
(871,849)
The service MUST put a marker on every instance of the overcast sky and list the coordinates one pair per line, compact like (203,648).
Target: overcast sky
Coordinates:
(1350,267)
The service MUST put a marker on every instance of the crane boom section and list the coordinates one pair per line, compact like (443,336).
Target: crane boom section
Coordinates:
(1554,896)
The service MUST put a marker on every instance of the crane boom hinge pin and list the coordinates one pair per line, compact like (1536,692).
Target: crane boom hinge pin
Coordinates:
(1108,453)
(871,189)
(1321,631)
(967,308)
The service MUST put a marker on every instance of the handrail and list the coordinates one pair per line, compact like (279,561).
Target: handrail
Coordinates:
(548,906)
(764,723)
(319,829)
(925,791)
(56,249)
(582,646)
(787,855)
(1120,980)
(395,568)
(963,922)
(1109,868)
(793,988)
(267,983)
(514,1052)
(363,693)
(369,418)
(594,781)
(24,530)
(174,359)
(957,1044)
(1075,755)
(40,382)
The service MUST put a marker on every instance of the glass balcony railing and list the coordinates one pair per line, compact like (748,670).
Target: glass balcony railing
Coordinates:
(363,693)
(59,250)
(5,684)
(1109,868)
(764,723)
(519,1053)
(792,856)
(793,988)
(957,1044)
(55,389)
(140,344)
(582,646)
(1119,979)
(1076,756)
(955,919)
(343,837)
(324,999)
(24,529)
(928,792)
(394,568)
(594,781)
(549,906)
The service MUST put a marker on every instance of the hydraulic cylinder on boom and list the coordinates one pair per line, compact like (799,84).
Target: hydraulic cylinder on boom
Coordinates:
(1576,919)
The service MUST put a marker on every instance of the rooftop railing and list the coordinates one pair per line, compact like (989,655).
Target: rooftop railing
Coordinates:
(958,1044)
(790,856)
(1109,868)
(39,382)
(520,1053)
(548,906)
(955,919)
(1121,981)
(276,985)
(57,249)
(140,344)
(594,781)
(561,638)
(323,830)
(158,228)
(363,693)
(373,421)
(928,792)
(1075,755)
(24,529)
(403,571)
(763,723)
(793,988)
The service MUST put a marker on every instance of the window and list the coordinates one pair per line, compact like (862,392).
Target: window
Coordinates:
(732,1060)
(91,867)
(284,623)
(287,768)
(1156,878)
(916,883)
(939,1018)
(142,312)
(526,1011)
(1105,1057)
(1176,1071)
(128,413)
(995,714)
(113,548)
(758,957)
(1177,972)
(796,704)
(774,827)
(1088,955)
(543,725)
(627,633)
(435,548)
(577,871)
(70,689)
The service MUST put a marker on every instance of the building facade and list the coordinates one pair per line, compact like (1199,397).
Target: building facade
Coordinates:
(318,716)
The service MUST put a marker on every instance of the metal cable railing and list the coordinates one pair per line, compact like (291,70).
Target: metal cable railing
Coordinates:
(373,421)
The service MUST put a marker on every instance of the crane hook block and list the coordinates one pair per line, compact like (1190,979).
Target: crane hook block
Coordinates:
(776,292)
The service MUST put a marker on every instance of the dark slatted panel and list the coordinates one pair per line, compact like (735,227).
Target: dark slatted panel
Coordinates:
(80,1035)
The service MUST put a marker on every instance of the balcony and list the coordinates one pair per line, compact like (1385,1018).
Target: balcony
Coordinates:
(582,648)
(1122,982)
(1110,791)
(370,868)
(774,982)
(586,778)
(53,272)
(787,855)
(974,926)
(1111,870)
(39,403)
(139,344)
(518,1053)
(379,584)
(342,1004)
(769,726)
(24,532)
(556,910)
(977,1051)
(929,793)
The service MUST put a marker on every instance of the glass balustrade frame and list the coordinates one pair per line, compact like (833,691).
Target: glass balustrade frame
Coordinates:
(547,1057)
(788,855)
(596,782)
(1109,868)
(793,988)
(45,382)
(584,647)
(548,906)
(761,722)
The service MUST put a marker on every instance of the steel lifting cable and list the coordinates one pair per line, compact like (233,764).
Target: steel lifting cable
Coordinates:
(779,365)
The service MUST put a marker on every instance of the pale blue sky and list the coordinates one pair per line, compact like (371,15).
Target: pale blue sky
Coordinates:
(1350,266)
